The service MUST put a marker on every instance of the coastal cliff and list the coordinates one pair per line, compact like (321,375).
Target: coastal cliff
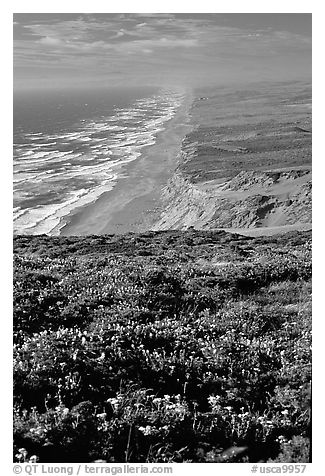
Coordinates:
(238,170)
(250,200)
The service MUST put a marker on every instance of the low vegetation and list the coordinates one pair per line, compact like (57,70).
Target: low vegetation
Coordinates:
(162,347)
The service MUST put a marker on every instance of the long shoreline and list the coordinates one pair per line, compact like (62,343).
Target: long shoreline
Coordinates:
(134,203)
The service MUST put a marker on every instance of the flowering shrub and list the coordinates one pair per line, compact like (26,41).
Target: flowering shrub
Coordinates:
(124,354)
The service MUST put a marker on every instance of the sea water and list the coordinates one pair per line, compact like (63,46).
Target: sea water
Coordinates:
(69,145)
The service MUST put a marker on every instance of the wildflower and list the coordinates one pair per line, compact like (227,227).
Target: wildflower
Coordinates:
(148,430)
(213,399)
(157,401)
(23,451)
(114,402)
(101,415)
(244,414)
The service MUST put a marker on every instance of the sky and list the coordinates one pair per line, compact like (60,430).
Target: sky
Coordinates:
(71,50)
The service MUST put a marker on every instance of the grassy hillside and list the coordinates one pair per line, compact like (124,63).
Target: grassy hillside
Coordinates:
(246,164)
(162,347)
(267,126)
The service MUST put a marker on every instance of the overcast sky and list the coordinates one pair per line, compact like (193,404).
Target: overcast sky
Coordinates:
(79,50)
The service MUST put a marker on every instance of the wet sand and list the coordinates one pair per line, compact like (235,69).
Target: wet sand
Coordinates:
(134,204)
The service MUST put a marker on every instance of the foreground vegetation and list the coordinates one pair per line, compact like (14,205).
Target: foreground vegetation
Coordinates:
(162,347)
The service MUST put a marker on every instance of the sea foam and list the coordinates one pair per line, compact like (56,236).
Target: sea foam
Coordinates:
(75,167)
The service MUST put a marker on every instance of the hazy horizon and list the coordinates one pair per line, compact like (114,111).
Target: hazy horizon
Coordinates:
(72,50)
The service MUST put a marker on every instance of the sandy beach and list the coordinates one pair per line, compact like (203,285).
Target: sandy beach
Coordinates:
(134,204)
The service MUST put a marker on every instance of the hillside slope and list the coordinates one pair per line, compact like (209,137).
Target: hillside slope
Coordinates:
(246,165)
(163,347)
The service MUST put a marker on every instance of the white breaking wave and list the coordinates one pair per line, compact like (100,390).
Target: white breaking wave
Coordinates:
(40,169)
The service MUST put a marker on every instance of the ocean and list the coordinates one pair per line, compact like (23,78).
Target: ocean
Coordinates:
(69,145)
